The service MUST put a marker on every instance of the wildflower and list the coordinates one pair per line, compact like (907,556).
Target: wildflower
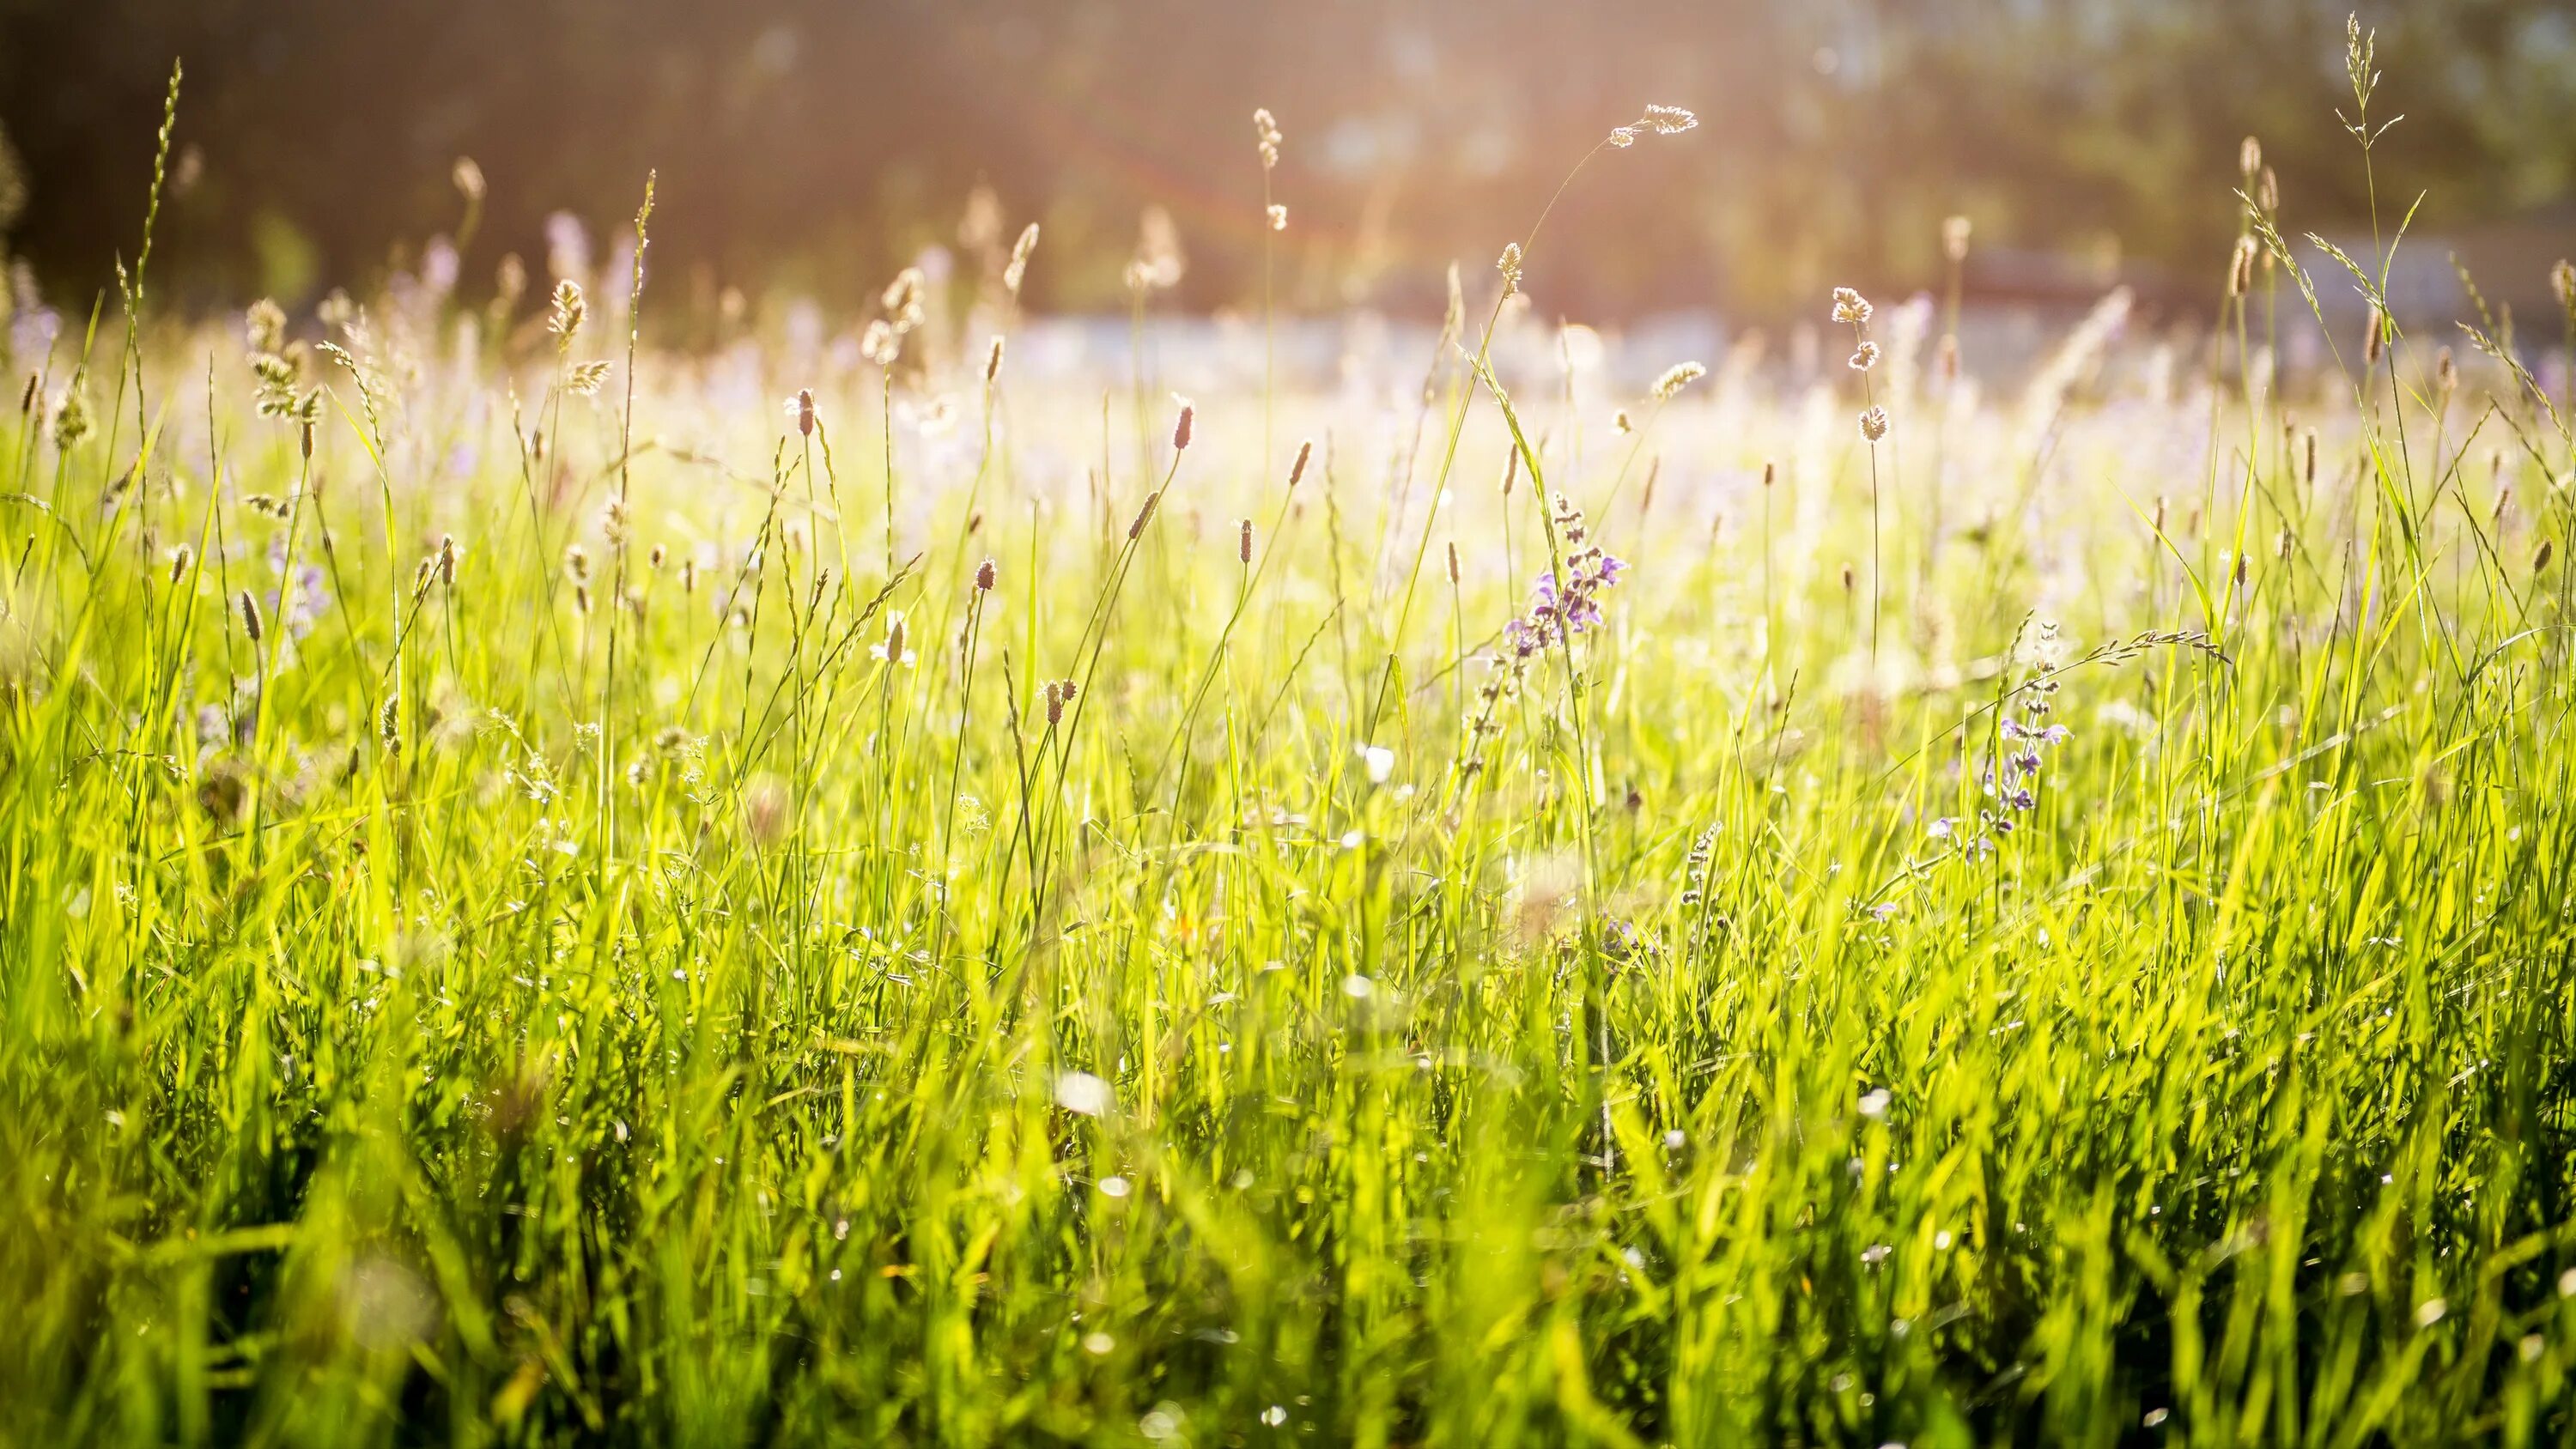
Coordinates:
(1379,762)
(879,344)
(1695,867)
(893,650)
(1278,217)
(1680,375)
(1850,306)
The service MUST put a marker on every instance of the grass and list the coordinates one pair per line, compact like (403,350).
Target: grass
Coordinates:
(593,979)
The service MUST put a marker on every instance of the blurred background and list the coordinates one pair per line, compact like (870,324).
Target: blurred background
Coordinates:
(817,145)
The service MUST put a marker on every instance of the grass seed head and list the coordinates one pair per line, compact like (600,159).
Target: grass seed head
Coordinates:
(570,308)
(1017,270)
(1676,377)
(1265,131)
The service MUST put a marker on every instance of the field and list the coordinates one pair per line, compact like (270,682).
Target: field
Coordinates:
(912,884)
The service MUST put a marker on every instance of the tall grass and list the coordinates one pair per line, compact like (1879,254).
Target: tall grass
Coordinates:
(1101,972)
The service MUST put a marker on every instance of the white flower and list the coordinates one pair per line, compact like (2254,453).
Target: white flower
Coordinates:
(1380,761)
(1084,1093)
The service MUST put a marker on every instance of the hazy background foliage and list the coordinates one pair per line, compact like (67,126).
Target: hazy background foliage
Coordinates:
(822,144)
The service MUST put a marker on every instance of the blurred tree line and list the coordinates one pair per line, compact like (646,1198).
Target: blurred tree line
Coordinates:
(822,143)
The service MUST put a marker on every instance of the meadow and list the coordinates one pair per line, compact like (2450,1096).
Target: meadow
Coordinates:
(884,881)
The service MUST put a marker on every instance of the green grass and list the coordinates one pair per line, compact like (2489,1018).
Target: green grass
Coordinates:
(477,1012)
